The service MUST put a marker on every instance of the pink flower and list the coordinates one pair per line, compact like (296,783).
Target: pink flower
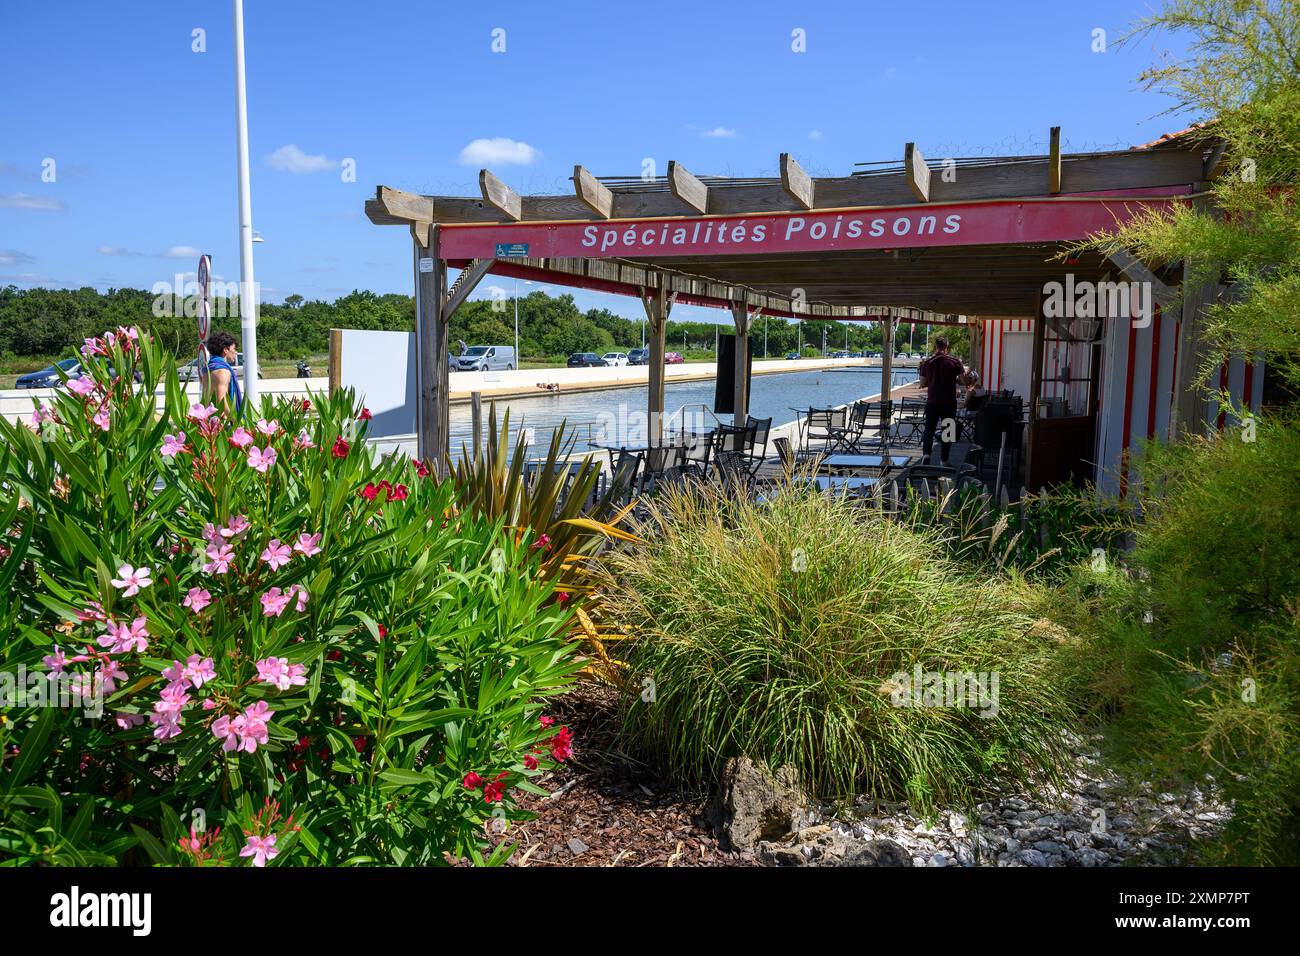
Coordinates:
(269,429)
(229,730)
(196,599)
(41,414)
(308,545)
(166,716)
(93,612)
(101,417)
(303,440)
(110,673)
(83,386)
(173,445)
(55,661)
(201,413)
(133,579)
(277,555)
(235,527)
(221,556)
(241,437)
(301,593)
(261,460)
(210,427)
(278,672)
(210,533)
(255,721)
(274,602)
(122,638)
(93,346)
(126,721)
(260,849)
(198,670)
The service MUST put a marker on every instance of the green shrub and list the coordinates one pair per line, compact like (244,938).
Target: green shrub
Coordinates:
(1195,651)
(324,650)
(789,631)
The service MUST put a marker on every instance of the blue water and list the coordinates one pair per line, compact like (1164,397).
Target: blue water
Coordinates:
(618,414)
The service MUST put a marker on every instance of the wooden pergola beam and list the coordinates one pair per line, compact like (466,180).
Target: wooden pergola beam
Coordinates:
(465,284)
(1214,161)
(797,184)
(500,196)
(687,188)
(1054,161)
(1134,169)
(1136,269)
(917,173)
(594,194)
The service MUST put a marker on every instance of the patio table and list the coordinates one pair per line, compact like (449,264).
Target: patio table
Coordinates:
(843,482)
(864,462)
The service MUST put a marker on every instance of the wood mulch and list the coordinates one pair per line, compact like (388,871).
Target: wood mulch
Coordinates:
(607,809)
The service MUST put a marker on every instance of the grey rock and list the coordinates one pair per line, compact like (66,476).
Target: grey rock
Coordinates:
(1031,858)
(577,847)
(877,853)
(755,804)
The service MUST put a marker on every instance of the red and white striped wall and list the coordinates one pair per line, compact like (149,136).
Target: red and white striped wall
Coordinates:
(1135,391)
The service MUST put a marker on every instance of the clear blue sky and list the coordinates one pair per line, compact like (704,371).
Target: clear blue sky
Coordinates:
(142,128)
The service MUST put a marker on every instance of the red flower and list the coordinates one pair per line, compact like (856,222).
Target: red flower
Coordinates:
(365,415)
(545,721)
(383,632)
(334,656)
(492,792)
(562,744)
(530,761)
(306,405)
(398,494)
(341,448)
(369,492)
(562,597)
(543,542)
(472,781)
(359,742)
(422,469)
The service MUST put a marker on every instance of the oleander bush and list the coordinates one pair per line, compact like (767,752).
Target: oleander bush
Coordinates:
(801,630)
(269,645)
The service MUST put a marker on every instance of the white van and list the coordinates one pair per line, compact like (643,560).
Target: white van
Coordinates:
(487,358)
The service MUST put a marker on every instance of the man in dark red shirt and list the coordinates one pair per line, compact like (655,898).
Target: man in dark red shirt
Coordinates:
(940,373)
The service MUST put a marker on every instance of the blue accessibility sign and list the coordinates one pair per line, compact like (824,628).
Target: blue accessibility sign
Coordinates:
(511,250)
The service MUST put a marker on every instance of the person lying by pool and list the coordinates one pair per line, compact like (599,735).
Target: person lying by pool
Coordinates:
(549,386)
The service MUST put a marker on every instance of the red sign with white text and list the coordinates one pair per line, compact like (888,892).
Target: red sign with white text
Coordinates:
(957,224)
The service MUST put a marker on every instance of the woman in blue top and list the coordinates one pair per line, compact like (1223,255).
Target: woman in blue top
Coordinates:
(223,383)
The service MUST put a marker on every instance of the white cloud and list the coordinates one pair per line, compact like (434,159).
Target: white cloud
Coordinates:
(182,252)
(118,251)
(291,159)
(12,257)
(492,292)
(815,134)
(26,201)
(719,132)
(498,151)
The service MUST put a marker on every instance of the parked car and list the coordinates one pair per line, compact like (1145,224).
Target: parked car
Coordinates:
(855,355)
(791,356)
(487,358)
(841,353)
(673,358)
(614,359)
(585,360)
(48,377)
(638,357)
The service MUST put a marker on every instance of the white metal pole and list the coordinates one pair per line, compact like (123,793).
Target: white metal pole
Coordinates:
(518,362)
(247,287)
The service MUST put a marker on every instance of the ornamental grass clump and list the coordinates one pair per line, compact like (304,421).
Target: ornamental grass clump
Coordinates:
(250,641)
(803,631)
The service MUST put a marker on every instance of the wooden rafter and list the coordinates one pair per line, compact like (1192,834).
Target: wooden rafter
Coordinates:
(797,184)
(687,188)
(918,174)
(594,194)
(1136,269)
(500,196)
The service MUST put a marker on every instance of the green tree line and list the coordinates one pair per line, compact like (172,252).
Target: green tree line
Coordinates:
(49,322)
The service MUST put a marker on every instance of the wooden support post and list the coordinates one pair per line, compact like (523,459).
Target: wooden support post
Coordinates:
(740,406)
(1054,161)
(1035,387)
(1188,414)
(887,366)
(476,418)
(657,306)
(336,360)
(433,407)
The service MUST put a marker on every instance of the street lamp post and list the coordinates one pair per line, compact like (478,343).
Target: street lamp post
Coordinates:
(517,358)
(247,286)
